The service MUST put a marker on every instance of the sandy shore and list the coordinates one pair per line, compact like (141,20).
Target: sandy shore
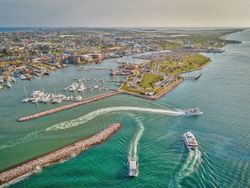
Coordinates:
(29,167)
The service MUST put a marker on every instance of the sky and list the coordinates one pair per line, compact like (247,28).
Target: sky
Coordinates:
(125,13)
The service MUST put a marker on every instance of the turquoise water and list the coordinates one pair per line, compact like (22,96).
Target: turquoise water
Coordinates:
(223,132)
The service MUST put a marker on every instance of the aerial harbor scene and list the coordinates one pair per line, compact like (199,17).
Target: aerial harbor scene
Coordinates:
(124,94)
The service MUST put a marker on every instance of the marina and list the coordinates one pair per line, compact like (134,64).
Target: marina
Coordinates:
(39,96)
(69,106)
(35,165)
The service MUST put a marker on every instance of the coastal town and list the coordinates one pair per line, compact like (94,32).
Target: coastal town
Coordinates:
(166,57)
(26,55)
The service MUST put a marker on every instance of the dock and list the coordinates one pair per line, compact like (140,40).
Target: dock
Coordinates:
(196,77)
(101,80)
(35,165)
(69,106)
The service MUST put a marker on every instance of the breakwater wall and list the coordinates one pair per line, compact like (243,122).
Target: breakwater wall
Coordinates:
(69,106)
(36,164)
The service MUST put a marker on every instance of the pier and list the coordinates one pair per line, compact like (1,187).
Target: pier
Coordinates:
(100,80)
(94,68)
(35,165)
(69,106)
(192,77)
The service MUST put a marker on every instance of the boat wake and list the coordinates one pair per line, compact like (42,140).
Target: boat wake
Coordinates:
(28,138)
(84,119)
(136,138)
(191,165)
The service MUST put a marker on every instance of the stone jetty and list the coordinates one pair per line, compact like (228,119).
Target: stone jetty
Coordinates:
(32,166)
(66,107)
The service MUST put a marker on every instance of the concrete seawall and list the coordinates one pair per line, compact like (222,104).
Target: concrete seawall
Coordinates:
(165,91)
(66,107)
(29,167)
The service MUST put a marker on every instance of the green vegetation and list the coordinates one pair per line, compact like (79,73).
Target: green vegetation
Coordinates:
(56,53)
(186,63)
(149,79)
(205,41)
(4,55)
(171,45)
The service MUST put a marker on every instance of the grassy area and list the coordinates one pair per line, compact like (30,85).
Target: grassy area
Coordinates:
(2,55)
(56,53)
(184,64)
(126,88)
(148,80)
(205,41)
(171,45)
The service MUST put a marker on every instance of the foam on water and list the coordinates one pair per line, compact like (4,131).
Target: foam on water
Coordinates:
(191,164)
(25,139)
(134,143)
(84,119)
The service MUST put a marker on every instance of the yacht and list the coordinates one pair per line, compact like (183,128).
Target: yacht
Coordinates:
(78,98)
(193,112)
(190,141)
(73,87)
(8,84)
(81,87)
(133,168)
(26,100)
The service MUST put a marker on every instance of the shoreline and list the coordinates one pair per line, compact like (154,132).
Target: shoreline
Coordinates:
(34,165)
(165,91)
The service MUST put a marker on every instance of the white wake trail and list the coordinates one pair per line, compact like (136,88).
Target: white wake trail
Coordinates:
(191,165)
(94,114)
(134,143)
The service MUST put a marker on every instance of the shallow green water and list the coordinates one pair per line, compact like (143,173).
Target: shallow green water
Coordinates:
(223,132)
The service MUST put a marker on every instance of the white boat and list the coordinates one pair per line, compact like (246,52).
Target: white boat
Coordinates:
(26,100)
(78,98)
(73,87)
(34,100)
(8,84)
(56,100)
(12,79)
(81,87)
(22,77)
(133,168)
(37,93)
(193,112)
(190,141)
